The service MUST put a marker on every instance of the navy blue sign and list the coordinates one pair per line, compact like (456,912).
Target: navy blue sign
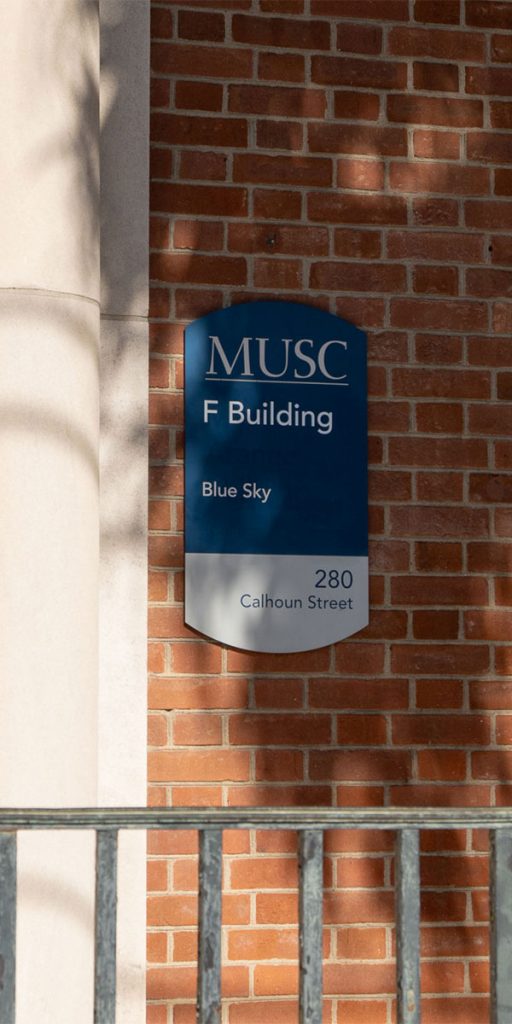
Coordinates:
(276,476)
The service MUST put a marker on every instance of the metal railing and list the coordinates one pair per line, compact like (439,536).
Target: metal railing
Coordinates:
(310,824)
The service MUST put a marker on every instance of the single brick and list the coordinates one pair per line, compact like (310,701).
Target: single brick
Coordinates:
(201,25)
(364,209)
(501,115)
(281,32)
(455,315)
(277,101)
(436,145)
(439,177)
(361,74)
(431,77)
(208,61)
(280,135)
(453,113)
(489,14)
(273,170)
(356,106)
(361,174)
(358,38)
(489,81)
(362,139)
(288,239)
(438,43)
(436,280)
(181,130)
(443,11)
(281,67)
(198,96)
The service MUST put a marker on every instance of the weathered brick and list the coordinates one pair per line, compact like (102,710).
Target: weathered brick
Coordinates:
(489,283)
(443,11)
(438,43)
(358,38)
(434,625)
(491,624)
(440,730)
(454,113)
(440,590)
(205,26)
(433,659)
(436,521)
(367,209)
(276,273)
(357,277)
(277,204)
(161,162)
(432,77)
(281,32)
(433,349)
(273,170)
(436,246)
(357,244)
(440,417)
(362,139)
(436,280)
(435,212)
(501,48)
(202,166)
(287,730)
(160,92)
(361,74)
(281,6)
(199,235)
(161,23)
(197,269)
(280,135)
(356,106)
(193,302)
(289,239)
(436,145)
(490,419)
(179,198)
(198,96)
(501,115)
(455,315)
(362,765)
(284,101)
(380,10)
(489,14)
(442,383)
(489,81)
(208,61)
(439,177)
(181,130)
(281,67)
(361,174)
(489,147)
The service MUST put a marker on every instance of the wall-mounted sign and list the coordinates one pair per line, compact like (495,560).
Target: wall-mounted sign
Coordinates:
(276,549)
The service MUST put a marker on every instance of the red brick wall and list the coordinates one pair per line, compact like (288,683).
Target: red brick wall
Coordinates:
(352,154)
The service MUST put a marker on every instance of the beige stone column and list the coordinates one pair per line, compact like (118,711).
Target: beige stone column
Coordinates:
(124,207)
(49,518)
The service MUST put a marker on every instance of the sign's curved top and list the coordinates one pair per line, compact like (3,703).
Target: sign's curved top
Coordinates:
(275,470)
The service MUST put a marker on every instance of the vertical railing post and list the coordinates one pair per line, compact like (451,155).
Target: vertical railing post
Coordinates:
(7,927)
(407,899)
(210,920)
(105,927)
(310,925)
(501,926)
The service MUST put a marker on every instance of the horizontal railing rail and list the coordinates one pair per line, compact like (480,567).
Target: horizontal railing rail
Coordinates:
(310,823)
